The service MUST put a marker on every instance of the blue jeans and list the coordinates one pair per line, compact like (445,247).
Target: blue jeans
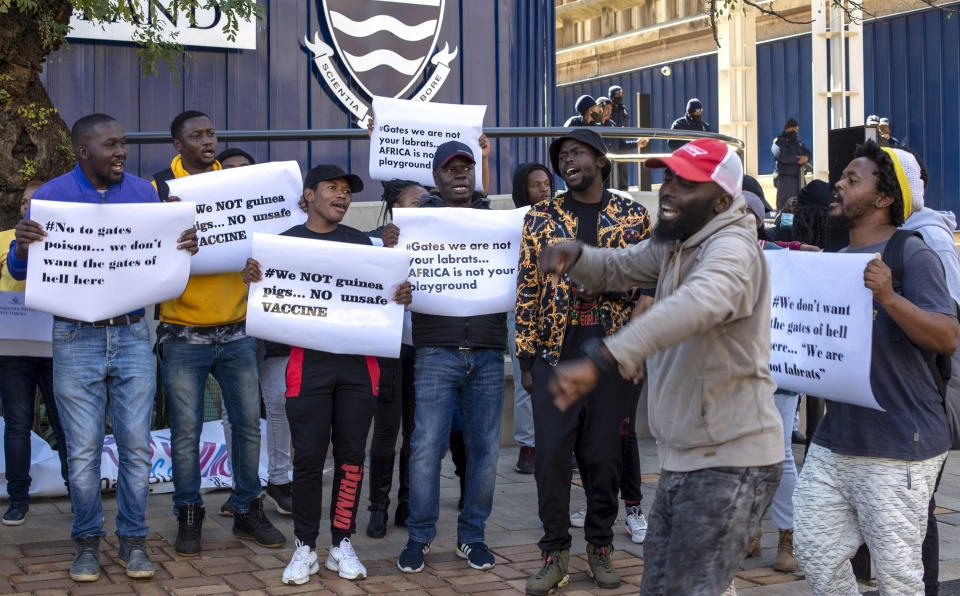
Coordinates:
(444,377)
(184,369)
(19,378)
(781,510)
(96,369)
(522,406)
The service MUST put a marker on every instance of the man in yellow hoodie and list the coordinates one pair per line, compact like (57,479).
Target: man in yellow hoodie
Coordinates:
(202,333)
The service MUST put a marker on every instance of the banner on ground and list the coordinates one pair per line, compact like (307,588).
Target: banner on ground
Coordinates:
(463,262)
(330,296)
(233,204)
(215,470)
(100,261)
(821,325)
(406,134)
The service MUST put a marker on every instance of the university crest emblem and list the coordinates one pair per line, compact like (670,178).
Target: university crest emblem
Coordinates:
(385,47)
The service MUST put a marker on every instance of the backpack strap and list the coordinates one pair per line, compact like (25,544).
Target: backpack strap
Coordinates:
(893,257)
(160,178)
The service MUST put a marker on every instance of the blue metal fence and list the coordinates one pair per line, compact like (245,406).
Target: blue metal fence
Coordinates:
(505,60)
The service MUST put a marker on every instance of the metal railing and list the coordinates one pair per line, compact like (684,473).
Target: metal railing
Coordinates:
(503,132)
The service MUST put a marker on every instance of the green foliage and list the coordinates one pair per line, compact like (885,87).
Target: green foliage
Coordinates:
(5,96)
(65,145)
(29,170)
(155,43)
(37,116)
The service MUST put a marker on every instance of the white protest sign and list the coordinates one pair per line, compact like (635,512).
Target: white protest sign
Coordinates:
(463,262)
(821,325)
(330,296)
(233,204)
(100,261)
(23,332)
(19,322)
(406,134)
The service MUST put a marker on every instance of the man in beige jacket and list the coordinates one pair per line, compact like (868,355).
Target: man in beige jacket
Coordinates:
(706,341)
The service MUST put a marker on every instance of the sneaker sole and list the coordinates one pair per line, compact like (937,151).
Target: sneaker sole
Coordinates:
(561,584)
(478,567)
(135,574)
(225,513)
(196,554)
(14,522)
(608,585)
(89,577)
(633,537)
(276,504)
(254,540)
(296,581)
(520,470)
(332,566)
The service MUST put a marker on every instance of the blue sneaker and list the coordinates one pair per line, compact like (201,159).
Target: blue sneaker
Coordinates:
(16,514)
(477,555)
(411,559)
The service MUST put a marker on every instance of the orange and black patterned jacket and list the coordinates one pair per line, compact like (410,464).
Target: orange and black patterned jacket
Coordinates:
(541,304)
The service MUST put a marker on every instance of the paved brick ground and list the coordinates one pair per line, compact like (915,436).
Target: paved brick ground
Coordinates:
(35,557)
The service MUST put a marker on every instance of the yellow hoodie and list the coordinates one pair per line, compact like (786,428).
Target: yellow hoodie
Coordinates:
(208,300)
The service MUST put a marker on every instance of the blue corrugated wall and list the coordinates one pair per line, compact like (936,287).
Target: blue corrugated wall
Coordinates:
(505,61)
(913,77)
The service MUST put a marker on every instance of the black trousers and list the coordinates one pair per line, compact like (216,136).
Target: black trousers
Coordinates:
(591,429)
(630,452)
(336,402)
(395,409)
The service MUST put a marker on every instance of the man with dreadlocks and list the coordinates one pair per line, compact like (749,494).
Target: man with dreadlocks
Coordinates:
(869,474)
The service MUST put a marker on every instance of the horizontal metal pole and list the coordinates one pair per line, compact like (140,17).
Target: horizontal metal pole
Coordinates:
(357,134)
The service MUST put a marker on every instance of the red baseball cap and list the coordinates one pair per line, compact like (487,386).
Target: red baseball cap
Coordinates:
(705,160)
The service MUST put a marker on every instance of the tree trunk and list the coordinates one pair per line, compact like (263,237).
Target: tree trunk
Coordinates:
(34,140)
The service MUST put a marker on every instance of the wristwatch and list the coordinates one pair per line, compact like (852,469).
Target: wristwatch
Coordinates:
(594,350)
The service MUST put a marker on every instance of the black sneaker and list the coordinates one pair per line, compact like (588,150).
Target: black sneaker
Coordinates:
(227,510)
(133,557)
(411,559)
(377,526)
(281,495)
(477,555)
(16,513)
(254,525)
(525,463)
(86,560)
(190,518)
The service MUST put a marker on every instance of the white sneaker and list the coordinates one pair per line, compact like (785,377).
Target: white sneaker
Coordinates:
(636,525)
(577,519)
(344,561)
(302,565)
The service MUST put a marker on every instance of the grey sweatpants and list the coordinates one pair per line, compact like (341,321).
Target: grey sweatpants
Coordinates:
(842,501)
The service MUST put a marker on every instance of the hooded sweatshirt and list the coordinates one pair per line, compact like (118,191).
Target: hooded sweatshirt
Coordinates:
(706,341)
(520,183)
(937,228)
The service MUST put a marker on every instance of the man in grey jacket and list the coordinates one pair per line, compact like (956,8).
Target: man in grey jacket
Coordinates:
(706,342)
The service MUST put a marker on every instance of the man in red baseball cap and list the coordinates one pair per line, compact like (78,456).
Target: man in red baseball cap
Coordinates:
(706,344)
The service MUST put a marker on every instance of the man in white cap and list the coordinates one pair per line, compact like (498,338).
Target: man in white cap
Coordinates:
(720,438)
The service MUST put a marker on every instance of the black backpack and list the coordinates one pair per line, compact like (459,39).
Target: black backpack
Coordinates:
(939,365)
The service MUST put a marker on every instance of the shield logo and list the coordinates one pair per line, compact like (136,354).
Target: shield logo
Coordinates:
(385,44)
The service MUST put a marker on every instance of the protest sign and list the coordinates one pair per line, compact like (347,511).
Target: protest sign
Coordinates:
(406,134)
(215,471)
(821,325)
(233,204)
(100,261)
(330,296)
(463,262)
(23,332)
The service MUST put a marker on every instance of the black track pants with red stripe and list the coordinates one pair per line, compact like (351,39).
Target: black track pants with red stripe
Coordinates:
(329,396)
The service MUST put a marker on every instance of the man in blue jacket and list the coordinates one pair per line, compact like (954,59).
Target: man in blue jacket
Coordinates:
(101,365)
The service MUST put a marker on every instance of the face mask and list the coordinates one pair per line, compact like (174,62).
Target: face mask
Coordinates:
(786,219)
(791,134)
(617,101)
(695,117)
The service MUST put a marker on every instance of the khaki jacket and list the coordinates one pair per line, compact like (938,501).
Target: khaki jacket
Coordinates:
(706,341)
